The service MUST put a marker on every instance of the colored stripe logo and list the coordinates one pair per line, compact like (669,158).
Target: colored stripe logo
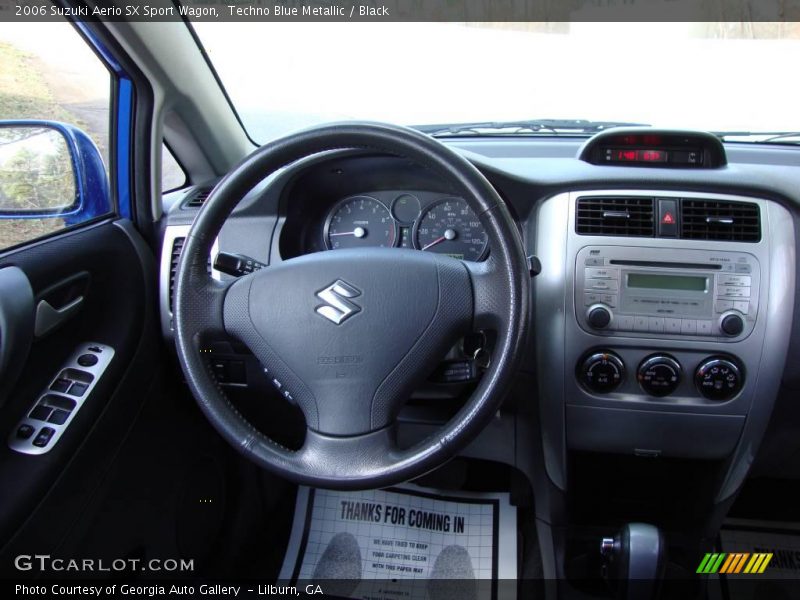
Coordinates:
(732,563)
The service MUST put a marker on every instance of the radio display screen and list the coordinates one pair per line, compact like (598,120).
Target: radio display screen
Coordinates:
(667,282)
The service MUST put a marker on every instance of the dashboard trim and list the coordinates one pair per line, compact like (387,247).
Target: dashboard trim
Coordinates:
(561,341)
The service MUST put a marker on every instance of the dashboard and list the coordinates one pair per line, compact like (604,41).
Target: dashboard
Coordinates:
(664,313)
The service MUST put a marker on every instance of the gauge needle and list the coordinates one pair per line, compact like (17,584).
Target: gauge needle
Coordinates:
(358,232)
(449,234)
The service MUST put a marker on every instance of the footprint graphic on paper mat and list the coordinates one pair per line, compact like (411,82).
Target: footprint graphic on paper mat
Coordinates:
(340,565)
(452,576)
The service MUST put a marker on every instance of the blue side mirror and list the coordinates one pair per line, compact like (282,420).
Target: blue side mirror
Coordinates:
(50,169)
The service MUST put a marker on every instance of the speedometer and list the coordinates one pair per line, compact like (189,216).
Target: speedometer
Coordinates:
(359,221)
(451,227)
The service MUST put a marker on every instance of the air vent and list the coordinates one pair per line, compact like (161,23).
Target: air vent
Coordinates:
(720,221)
(622,216)
(175,256)
(197,198)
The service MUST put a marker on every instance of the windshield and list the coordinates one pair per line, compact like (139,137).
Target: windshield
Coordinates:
(720,77)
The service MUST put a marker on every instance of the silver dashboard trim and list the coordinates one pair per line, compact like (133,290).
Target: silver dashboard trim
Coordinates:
(560,341)
(171,233)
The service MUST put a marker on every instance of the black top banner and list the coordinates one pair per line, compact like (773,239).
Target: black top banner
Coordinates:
(787,11)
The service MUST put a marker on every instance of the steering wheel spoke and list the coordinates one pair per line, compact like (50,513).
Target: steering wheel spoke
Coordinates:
(489,294)
(201,312)
(351,457)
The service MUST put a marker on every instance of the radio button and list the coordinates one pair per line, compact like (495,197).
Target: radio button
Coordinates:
(655,324)
(688,326)
(723,305)
(602,273)
(641,324)
(743,306)
(745,280)
(609,299)
(590,298)
(606,285)
(624,323)
(594,261)
(731,291)
(705,327)
(672,325)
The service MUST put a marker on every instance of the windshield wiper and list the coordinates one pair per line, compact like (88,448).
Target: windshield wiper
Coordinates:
(538,126)
(760,137)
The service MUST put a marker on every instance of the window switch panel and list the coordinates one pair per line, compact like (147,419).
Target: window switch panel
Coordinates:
(55,408)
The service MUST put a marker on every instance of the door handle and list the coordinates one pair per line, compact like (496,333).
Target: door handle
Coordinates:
(48,318)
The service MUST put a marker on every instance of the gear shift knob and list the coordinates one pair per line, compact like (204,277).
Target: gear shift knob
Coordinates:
(636,558)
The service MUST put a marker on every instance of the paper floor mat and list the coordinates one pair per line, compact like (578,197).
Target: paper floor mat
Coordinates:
(779,581)
(403,542)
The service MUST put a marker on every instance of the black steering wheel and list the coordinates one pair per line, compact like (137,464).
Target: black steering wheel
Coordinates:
(351,333)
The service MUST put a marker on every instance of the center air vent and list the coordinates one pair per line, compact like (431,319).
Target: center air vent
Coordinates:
(720,221)
(197,198)
(623,216)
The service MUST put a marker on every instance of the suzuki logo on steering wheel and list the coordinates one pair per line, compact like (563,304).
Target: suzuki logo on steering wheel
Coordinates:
(337,307)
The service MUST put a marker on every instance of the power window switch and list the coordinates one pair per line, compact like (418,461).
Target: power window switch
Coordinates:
(60,385)
(61,402)
(44,437)
(78,389)
(40,413)
(59,417)
(25,431)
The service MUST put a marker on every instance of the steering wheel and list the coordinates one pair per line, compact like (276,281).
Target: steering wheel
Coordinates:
(351,333)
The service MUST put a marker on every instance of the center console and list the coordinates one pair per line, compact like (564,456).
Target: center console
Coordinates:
(662,324)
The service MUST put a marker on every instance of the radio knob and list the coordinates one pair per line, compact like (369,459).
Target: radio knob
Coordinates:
(659,375)
(598,316)
(719,378)
(731,323)
(601,371)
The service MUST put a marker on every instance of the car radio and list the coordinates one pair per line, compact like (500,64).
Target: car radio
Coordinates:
(668,292)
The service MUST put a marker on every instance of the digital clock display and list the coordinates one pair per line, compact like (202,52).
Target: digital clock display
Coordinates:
(647,155)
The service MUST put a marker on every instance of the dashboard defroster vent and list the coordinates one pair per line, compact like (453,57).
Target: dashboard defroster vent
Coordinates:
(198,198)
(720,221)
(175,256)
(622,216)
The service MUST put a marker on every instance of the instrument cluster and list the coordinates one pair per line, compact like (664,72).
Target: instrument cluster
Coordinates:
(426,221)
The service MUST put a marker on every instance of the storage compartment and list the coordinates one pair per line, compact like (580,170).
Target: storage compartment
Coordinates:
(645,433)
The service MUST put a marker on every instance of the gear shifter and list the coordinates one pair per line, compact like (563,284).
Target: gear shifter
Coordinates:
(634,561)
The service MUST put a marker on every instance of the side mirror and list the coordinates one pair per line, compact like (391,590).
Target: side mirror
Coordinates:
(50,169)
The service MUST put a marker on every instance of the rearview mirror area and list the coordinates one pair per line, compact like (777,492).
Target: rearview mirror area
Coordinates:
(37,171)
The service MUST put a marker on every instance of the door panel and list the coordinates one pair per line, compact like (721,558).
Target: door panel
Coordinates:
(16,326)
(110,268)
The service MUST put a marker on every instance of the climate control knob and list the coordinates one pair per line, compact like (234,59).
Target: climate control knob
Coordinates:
(598,316)
(659,375)
(731,323)
(601,371)
(719,378)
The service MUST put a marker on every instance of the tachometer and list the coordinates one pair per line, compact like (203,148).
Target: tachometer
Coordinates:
(359,221)
(451,227)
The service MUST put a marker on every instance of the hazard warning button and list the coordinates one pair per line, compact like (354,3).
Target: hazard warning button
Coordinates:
(667,217)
